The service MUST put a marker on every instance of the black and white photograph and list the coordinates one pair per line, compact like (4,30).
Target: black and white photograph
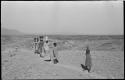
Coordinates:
(62,40)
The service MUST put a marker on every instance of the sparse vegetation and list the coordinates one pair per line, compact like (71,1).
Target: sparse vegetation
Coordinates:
(107,55)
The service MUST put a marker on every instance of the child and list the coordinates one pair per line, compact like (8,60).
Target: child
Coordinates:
(88,62)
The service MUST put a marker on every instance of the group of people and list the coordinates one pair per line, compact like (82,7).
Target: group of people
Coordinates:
(41,46)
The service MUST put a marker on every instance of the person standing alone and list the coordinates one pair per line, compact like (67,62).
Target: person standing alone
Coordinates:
(88,61)
(55,54)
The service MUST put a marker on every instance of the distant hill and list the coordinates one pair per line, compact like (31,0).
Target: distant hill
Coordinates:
(5,31)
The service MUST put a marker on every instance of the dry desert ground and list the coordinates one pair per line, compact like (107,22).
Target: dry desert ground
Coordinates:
(107,58)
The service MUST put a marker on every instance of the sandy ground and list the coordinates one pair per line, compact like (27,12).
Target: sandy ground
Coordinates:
(24,64)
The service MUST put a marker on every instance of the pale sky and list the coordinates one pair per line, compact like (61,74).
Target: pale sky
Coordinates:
(63,17)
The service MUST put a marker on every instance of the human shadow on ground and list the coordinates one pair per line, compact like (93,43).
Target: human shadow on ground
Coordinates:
(84,67)
(36,52)
(47,60)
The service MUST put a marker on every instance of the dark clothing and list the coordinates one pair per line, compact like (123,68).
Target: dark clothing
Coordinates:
(35,39)
(41,38)
(55,55)
(35,44)
(56,61)
(40,46)
(88,61)
(87,51)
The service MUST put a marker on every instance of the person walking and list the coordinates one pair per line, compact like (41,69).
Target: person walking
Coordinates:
(46,38)
(51,52)
(55,54)
(40,47)
(35,44)
(46,47)
(88,61)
